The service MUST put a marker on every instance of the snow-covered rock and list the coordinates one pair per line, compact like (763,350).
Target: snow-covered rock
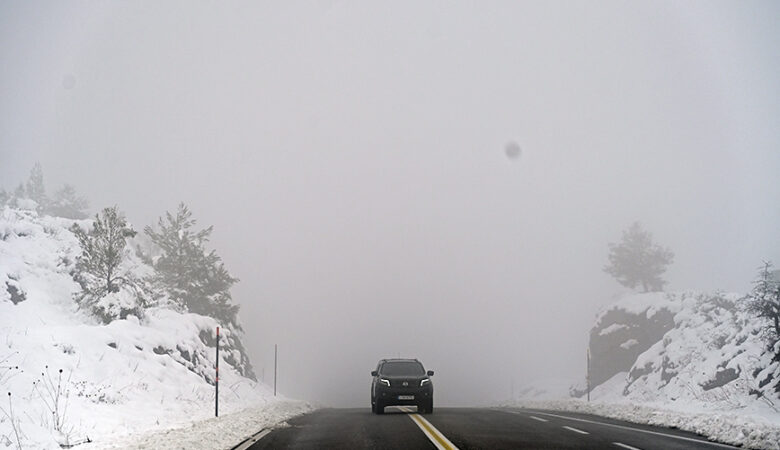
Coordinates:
(625,330)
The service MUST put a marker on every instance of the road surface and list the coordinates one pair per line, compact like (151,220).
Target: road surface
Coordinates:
(468,428)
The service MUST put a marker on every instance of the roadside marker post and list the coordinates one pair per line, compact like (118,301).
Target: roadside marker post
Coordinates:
(588,375)
(216,382)
(276,353)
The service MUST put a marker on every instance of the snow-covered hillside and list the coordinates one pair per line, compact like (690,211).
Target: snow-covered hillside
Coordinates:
(65,377)
(690,360)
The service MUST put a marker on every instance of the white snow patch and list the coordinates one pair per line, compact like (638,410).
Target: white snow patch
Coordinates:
(612,328)
(648,304)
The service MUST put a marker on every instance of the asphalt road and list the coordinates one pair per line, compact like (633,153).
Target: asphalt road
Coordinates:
(470,428)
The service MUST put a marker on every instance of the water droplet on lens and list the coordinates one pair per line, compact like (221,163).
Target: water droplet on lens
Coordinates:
(512,150)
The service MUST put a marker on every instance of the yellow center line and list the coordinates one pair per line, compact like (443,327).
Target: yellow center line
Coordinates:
(431,431)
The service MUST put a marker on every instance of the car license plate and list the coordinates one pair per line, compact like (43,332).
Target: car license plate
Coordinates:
(406,397)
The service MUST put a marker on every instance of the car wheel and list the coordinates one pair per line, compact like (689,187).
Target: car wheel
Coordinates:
(373,405)
(379,407)
(427,407)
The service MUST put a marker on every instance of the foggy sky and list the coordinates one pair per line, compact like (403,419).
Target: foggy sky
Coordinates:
(351,159)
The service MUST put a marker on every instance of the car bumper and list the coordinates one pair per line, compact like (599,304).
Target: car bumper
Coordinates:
(395,396)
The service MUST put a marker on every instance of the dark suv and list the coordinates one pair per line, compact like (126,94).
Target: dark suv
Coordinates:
(401,382)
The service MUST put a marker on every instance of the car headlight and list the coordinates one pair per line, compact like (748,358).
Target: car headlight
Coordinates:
(424,381)
(385,381)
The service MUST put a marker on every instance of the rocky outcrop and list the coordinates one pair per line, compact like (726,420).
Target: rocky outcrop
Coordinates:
(625,331)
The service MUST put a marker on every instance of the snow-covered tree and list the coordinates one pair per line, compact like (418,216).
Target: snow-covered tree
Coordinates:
(764,302)
(18,197)
(637,261)
(4,197)
(66,203)
(98,268)
(194,278)
(35,189)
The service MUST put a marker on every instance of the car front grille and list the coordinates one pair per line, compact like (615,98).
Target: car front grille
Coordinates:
(400,383)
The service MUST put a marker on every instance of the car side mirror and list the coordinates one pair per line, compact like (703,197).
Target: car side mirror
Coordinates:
(430,373)
(373,373)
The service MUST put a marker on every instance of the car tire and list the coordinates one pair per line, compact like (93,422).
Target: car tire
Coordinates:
(426,408)
(379,407)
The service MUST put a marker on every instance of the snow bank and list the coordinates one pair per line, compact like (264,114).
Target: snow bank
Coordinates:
(756,431)
(222,432)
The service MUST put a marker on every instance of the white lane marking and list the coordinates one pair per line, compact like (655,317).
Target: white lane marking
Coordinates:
(576,430)
(538,418)
(639,430)
(625,446)
(252,439)
(434,435)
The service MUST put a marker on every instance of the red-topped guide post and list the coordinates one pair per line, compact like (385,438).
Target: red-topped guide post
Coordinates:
(276,353)
(216,382)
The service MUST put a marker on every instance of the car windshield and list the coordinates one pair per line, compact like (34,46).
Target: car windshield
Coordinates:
(402,368)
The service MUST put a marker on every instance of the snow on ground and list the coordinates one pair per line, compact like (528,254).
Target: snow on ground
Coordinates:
(221,432)
(647,304)
(72,378)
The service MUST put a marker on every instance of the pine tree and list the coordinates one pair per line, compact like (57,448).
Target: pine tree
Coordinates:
(35,189)
(764,302)
(68,204)
(195,279)
(102,253)
(4,197)
(637,261)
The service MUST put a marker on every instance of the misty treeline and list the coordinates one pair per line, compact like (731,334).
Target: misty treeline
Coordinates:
(185,275)
(64,202)
(638,262)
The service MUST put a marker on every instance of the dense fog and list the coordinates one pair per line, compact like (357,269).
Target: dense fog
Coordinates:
(430,180)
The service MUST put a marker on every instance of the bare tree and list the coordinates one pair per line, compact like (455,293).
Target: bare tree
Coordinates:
(638,261)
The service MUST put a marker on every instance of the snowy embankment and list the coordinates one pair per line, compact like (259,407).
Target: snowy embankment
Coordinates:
(73,379)
(686,360)
(222,432)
